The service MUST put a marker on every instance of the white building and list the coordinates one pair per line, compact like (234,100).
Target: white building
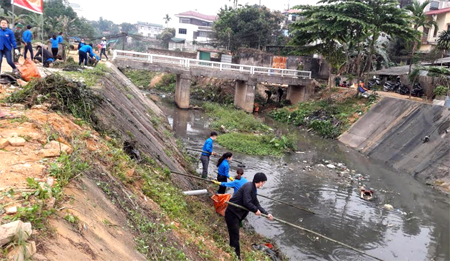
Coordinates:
(149,29)
(194,27)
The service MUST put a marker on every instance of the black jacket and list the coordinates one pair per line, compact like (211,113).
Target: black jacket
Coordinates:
(246,197)
(45,53)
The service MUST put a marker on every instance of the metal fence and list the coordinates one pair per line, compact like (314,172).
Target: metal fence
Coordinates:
(192,63)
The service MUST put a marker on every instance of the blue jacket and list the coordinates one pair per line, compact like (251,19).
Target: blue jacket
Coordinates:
(96,57)
(7,39)
(27,36)
(87,49)
(207,147)
(224,168)
(81,45)
(54,42)
(236,184)
(60,39)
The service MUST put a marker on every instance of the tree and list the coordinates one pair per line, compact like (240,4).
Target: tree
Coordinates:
(127,27)
(419,19)
(443,42)
(166,35)
(353,27)
(167,19)
(249,26)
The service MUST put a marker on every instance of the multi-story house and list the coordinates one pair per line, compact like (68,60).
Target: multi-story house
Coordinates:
(194,27)
(439,11)
(149,29)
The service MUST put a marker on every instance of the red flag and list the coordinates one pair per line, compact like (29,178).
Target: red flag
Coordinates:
(36,6)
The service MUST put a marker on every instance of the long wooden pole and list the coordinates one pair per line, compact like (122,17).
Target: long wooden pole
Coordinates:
(208,180)
(310,231)
(287,204)
(240,162)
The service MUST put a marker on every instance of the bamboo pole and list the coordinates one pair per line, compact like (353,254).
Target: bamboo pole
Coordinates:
(197,150)
(309,231)
(287,204)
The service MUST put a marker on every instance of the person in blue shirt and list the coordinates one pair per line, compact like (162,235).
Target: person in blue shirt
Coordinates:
(239,180)
(224,170)
(81,44)
(83,54)
(54,42)
(93,60)
(207,151)
(27,36)
(7,42)
(60,38)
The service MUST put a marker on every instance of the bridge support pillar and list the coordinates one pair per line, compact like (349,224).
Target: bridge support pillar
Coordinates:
(244,96)
(182,91)
(297,93)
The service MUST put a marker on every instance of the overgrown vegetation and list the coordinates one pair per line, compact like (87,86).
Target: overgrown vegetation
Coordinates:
(63,95)
(167,83)
(140,78)
(90,75)
(328,118)
(245,133)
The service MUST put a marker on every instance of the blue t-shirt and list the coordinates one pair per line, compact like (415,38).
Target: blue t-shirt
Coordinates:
(236,184)
(7,39)
(54,42)
(207,147)
(27,36)
(224,169)
(60,39)
(87,49)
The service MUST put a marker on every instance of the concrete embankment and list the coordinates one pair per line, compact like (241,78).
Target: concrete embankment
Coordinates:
(409,136)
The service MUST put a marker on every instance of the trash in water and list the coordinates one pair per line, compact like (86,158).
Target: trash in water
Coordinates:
(331,166)
(268,249)
(388,206)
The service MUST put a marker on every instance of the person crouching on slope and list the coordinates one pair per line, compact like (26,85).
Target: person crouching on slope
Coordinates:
(83,54)
(245,197)
(238,182)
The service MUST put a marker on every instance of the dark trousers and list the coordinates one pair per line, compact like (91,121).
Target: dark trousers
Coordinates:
(82,56)
(7,53)
(233,230)
(205,162)
(28,48)
(39,58)
(55,52)
(103,51)
(222,189)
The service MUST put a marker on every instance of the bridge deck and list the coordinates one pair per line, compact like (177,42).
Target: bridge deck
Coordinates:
(221,70)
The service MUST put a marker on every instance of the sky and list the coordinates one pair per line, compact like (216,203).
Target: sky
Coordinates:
(152,11)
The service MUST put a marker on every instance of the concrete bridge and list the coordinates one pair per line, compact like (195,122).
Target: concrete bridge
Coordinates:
(246,77)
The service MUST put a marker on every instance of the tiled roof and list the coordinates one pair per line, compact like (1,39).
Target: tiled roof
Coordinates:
(439,11)
(210,18)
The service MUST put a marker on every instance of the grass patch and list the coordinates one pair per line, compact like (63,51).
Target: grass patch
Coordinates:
(140,78)
(167,83)
(232,119)
(327,118)
(89,76)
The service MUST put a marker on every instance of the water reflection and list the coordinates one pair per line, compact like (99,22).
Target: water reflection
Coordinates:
(417,229)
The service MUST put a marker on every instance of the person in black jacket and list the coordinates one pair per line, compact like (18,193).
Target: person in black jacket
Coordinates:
(246,197)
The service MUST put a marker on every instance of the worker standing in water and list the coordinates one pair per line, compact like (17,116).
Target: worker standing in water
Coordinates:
(207,151)
(246,197)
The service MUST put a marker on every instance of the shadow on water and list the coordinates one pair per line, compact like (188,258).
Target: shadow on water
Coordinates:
(417,229)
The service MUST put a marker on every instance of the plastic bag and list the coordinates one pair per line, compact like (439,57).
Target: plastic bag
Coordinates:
(28,70)
(219,202)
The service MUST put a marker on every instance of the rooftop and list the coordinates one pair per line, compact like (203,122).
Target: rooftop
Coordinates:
(150,24)
(209,18)
(439,11)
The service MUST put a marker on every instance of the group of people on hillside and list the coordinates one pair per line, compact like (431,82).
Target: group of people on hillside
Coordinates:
(43,55)
(245,192)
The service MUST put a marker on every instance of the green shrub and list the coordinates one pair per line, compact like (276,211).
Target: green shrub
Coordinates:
(440,90)
(167,83)
(140,78)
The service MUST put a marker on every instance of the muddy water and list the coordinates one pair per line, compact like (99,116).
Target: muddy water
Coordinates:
(417,229)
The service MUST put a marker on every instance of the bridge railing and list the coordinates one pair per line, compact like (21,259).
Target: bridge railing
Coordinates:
(193,63)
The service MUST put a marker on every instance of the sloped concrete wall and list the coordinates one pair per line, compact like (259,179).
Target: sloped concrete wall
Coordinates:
(393,132)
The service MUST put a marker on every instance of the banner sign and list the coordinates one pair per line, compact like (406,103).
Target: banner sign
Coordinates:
(36,6)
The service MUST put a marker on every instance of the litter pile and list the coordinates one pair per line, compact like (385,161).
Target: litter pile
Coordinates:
(62,94)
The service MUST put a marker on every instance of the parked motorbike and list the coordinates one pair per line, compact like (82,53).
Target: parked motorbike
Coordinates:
(374,82)
(417,90)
